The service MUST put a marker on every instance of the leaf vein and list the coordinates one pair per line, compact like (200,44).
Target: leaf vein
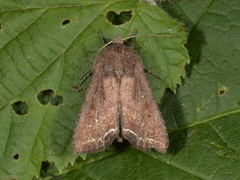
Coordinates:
(55,60)
(176,166)
(218,116)
(30,25)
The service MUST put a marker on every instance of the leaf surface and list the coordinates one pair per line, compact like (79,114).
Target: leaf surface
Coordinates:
(45,48)
(203,118)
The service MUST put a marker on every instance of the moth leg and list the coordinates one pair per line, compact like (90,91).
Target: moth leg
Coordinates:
(151,73)
(78,87)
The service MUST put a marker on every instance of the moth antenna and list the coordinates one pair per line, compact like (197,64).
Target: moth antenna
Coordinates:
(147,35)
(119,39)
(105,45)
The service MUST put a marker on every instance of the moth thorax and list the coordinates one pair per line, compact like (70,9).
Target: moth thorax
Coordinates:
(118,73)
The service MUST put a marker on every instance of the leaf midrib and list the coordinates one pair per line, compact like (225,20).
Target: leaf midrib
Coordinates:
(206,120)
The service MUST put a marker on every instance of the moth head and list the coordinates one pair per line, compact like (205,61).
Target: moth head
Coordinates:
(118,40)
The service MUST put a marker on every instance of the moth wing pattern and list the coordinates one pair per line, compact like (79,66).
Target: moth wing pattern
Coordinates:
(98,122)
(141,120)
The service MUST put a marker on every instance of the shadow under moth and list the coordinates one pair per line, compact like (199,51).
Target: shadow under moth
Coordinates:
(119,104)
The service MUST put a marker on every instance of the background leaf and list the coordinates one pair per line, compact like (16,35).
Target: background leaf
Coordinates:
(203,118)
(45,49)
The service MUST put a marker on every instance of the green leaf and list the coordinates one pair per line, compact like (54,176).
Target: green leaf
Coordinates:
(207,151)
(45,48)
(203,118)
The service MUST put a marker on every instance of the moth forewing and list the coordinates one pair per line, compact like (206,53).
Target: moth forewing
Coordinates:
(119,99)
(98,122)
(141,123)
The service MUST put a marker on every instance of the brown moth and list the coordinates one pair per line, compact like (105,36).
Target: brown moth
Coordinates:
(119,104)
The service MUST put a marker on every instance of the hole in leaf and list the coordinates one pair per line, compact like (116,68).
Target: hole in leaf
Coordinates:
(118,19)
(45,165)
(47,169)
(56,100)
(20,107)
(16,156)
(45,96)
(65,22)
(222,90)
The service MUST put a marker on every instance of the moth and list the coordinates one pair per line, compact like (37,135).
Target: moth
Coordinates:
(119,104)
